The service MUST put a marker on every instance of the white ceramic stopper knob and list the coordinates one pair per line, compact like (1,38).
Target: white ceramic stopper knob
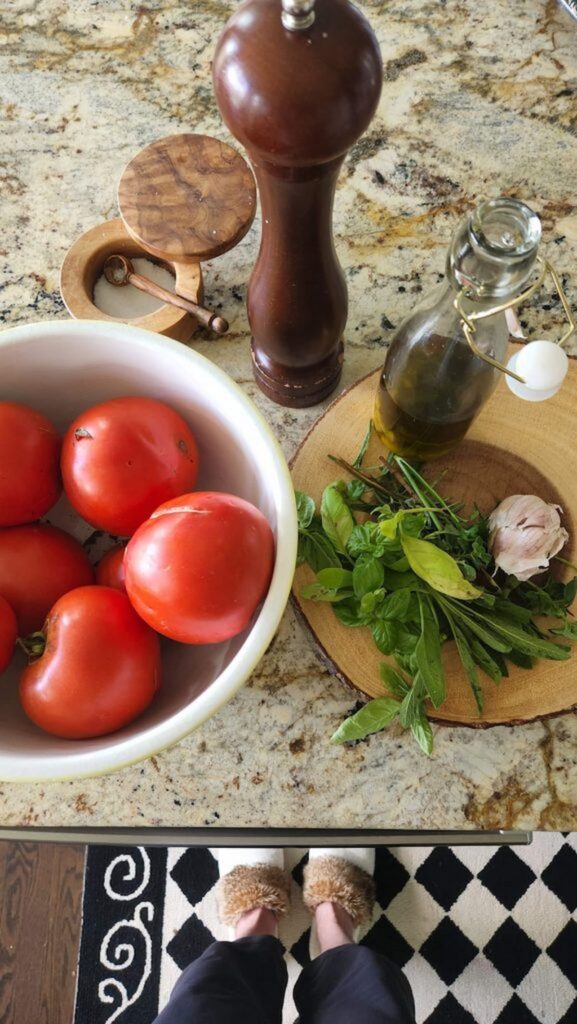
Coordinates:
(543,366)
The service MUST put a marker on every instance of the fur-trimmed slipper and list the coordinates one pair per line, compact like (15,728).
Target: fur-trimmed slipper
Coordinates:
(249,886)
(330,879)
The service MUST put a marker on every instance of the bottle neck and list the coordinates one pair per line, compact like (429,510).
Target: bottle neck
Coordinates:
(493,251)
(452,286)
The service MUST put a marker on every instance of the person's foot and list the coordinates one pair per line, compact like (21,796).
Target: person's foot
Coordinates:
(339,891)
(253,891)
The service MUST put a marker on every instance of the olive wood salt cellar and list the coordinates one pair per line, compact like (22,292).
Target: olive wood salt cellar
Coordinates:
(297,82)
(182,199)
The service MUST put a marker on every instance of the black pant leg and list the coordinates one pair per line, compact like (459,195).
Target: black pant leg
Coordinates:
(353,983)
(231,983)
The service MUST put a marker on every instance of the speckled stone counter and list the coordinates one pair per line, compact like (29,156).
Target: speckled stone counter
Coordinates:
(478,99)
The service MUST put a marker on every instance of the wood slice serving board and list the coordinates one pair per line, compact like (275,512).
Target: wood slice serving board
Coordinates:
(515,447)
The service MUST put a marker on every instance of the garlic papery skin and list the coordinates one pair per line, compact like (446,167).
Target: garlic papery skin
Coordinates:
(525,532)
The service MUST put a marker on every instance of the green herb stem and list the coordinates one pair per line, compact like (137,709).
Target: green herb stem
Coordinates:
(372,483)
(405,470)
(432,493)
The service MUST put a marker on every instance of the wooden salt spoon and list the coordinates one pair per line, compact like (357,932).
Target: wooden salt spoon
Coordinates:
(119,271)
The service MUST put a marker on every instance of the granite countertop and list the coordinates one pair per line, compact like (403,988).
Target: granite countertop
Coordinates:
(478,100)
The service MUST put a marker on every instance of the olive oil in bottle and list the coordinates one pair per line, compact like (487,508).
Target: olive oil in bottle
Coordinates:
(433,383)
(425,410)
(406,435)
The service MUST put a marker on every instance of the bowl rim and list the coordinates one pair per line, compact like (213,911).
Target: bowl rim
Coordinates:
(131,750)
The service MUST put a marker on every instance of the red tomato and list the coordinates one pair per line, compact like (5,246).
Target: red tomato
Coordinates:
(29,470)
(99,670)
(199,567)
(110,570)
(122,458)
(8,633)
(38,564)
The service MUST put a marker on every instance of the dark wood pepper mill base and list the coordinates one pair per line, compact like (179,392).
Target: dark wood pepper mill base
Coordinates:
(297,390)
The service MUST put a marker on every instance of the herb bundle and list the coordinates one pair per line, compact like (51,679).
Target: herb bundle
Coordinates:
(390,554)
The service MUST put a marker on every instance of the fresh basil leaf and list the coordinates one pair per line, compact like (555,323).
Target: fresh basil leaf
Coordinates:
(393,681)
(335,579)
(421,730)
(336,517)
(366,539)
(382,510)
(396,605)
(330,585)
(413,667)
(368,574)
(399,565)
(401,580)
(412,614)
(389,526)
(411,519)
(410,710)
(391,555)
(316,550)
(437,568)
(302,549)
(428,654)
(319,592)
(385,636)
(348,613)
(305,509)
(368,603)
(413,524)
(403,661)
(375,715)
(360,540)
(407,639)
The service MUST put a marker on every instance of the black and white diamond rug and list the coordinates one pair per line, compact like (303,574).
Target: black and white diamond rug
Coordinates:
(486,935)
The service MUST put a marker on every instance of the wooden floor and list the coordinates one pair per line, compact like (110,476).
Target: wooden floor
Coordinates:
(40,913)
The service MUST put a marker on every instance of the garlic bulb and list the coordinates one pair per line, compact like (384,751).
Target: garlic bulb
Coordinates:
(525,532)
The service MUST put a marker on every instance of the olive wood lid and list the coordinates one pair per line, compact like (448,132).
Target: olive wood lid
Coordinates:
(187,198)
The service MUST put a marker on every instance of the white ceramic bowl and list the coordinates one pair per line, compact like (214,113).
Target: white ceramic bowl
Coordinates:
(64,367)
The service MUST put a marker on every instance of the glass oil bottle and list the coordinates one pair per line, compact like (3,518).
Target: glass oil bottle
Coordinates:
(434,381)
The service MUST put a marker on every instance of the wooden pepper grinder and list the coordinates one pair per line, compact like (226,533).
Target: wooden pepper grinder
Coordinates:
(297,82)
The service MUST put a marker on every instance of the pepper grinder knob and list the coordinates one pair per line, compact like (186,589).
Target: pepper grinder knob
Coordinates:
(297,14)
